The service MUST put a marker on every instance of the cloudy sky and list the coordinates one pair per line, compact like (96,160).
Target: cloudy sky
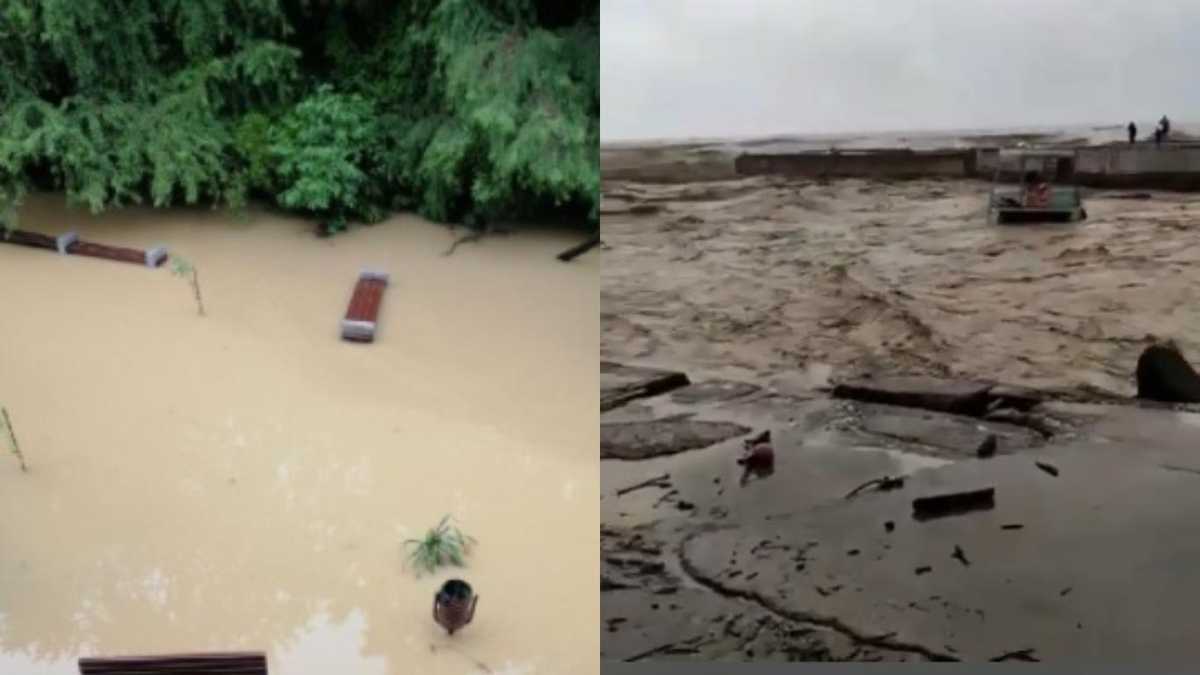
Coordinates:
(688,68)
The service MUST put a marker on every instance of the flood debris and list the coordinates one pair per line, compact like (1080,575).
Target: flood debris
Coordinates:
(960,556)
(1017,655)
(953,503)
(656,481)
(889,526)
(576,251)
(1012,526)
(1048,468)
(987,448)
(923,569)
(879,485)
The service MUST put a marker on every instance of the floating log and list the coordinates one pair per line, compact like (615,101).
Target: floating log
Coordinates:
(232,663)
(361,316)
(576,251)
(953,503)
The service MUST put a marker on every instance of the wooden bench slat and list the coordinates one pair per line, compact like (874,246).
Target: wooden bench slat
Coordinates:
(232,663)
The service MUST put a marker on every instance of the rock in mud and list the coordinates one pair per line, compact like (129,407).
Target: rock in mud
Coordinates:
(958,397)
(620,384)
(657,438)
(1163,374)
(711,391)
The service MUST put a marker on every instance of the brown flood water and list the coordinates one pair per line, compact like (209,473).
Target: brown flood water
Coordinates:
(245,480)
(786,283)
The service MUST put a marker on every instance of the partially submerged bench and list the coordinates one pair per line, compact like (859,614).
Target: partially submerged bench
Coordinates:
(362,315)
(231,663)
(70,243)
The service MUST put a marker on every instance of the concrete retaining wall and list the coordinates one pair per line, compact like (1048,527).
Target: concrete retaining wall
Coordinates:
(1170,167)
(871,164)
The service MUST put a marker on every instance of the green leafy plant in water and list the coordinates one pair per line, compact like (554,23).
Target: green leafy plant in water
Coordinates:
(441,545)
(183,269)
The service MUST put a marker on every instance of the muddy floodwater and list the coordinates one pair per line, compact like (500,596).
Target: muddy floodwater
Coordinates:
(245,480)
(784,282)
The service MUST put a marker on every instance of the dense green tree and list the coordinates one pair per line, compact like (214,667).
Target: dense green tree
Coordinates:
(465,110)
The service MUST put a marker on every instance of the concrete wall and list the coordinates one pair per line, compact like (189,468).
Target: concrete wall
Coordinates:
(1171,167)
(875,164)
(1142,165)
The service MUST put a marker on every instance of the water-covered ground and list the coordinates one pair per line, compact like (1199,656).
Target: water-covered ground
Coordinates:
(245,480)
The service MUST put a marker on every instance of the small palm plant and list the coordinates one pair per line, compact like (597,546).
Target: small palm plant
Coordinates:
(441,545)
(186,270)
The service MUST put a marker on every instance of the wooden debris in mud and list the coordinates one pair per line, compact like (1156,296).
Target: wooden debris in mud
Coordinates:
(953,503)
(879,484)
(233,663)
(1048,468)
(656,481)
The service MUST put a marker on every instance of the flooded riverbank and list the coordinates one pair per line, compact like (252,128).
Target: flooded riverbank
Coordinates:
(245,480)
(770,280)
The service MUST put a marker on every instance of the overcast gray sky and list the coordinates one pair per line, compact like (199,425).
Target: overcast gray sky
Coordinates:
(687,68)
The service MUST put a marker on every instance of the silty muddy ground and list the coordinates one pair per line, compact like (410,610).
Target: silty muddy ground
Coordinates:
(764,292)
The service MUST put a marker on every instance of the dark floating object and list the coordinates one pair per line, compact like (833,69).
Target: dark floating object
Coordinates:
(1012,526)
(454,605)
(960,556)
(953,503)
(889,526)
(1048,468)
(1065,591)
(231,663)
(924,569)
(576,251)
(361,316)
(987,448)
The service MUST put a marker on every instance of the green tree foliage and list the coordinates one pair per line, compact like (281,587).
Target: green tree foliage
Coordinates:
(465,110)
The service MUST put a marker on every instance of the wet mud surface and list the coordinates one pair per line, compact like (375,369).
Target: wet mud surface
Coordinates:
(816,560)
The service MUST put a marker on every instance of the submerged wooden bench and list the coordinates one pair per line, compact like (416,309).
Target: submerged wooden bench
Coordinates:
(70,243)
(231,663)
(31,239)
(361,316)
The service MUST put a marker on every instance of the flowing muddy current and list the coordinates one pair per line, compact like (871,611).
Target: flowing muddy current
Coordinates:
(777,281)
(245,480)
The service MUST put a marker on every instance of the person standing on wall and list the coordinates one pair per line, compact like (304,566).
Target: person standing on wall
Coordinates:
(1132,133)
(1158,134)
(1165,124)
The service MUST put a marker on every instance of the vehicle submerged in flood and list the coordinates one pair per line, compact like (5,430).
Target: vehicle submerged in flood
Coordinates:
(1034,199)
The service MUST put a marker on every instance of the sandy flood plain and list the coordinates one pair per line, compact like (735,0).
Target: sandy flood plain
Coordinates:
(245,480)
(787,282)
